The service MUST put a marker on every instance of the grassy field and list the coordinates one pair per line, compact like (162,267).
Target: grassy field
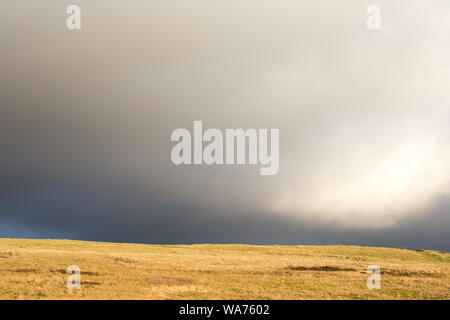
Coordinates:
(36,269)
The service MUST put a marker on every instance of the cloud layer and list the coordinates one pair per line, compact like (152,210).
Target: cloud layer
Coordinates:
(86,119)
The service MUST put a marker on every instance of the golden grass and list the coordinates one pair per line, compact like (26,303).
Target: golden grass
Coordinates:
(36,269)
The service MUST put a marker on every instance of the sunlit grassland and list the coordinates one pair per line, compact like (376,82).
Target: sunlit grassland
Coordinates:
(36,269)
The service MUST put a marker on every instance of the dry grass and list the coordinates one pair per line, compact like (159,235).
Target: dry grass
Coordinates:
(36,269)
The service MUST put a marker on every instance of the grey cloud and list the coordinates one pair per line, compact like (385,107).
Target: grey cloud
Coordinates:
(86,119)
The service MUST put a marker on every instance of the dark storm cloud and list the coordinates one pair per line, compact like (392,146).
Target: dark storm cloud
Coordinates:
(109,211)
(86,118)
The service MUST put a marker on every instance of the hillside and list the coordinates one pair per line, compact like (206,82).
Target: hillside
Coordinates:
(36,269)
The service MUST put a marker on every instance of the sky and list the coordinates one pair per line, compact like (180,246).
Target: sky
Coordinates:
(86,118)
